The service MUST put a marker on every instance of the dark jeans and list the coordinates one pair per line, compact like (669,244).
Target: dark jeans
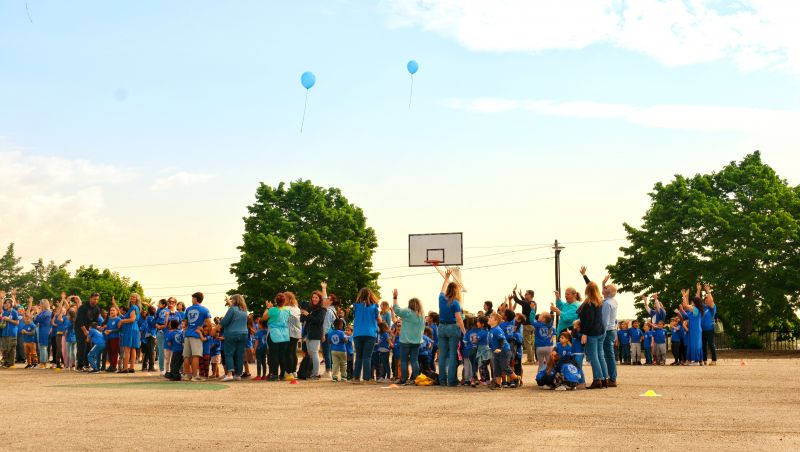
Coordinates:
(409,352)
(175,365)
(708,342)
(234,352)
(291,356)
(384,371)
(148,353)
(449,337)
(278,357)
(363,346)
(82,359)
(648,356)
(326,355)
(261,361)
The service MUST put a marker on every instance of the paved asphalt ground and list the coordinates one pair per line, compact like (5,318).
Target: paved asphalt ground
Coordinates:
(727,407)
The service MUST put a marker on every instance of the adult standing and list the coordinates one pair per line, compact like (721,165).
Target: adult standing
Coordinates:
(567,310)
(171,313)
(9,333)
(315,324)
(278,338)
(161,324)
(707,325)
(197,316)
(694,337)
(87,314)
(295,332)
(610,320)
(365,331)
(235,325)
(593,329)
(43,322)
(331,314)
(451,327)
(413,319)
(528,308)
(130,340)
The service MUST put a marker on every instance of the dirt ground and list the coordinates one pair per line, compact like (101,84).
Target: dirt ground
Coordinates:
(727,407)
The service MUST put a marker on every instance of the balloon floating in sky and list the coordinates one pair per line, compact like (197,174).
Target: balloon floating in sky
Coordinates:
(412,67)
(308,79)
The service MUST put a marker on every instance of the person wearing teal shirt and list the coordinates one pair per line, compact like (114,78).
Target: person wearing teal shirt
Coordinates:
(278,339)
(567,310)
(413,319)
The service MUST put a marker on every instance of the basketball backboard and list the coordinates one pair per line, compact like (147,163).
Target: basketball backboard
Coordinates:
(446,249)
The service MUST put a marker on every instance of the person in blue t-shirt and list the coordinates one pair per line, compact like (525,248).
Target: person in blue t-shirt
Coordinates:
(707,325)
(543,333)
(383,345)
(98,341)
(647,343)
(42,321)
(676,338)
(29,340)
(425,356)
(660,340)
(9,333)
(70,358)
(564,348)
(635,336)
(350,347)
(195,317)
(111,331)
(502,353)
(338,340)
(261,350)
(451,328)
(577,351)
(623,342)
(480,339)
(174,341)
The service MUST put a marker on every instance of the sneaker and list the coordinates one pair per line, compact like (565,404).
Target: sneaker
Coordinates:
(334,379)
(409,383)
(495,387)
(237,378)
(198,379)
(561,388)
(356,381)
(713,363)
(95,371)
(288,377)
(186,378)
(227,378)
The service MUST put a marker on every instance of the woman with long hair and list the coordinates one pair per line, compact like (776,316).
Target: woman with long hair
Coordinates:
(593,329)
(451,327)
(694,338)
(413,319)
(131,339)
(235,326)
(315,323)
(278,319)
(365,330)
(295,332)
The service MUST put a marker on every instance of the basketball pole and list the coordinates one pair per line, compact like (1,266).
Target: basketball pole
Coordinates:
(557,248)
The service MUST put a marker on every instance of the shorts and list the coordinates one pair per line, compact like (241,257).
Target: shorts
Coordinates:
(501,364)
(192,346)
(216,359)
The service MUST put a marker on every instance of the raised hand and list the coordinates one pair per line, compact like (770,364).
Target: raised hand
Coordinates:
(605,280)
(510,297)
(583,270)
(557,293)
(324,285)
(707,287)
(394,294)
(698,285)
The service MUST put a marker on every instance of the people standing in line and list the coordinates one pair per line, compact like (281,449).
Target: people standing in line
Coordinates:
(528,306)
(451,328)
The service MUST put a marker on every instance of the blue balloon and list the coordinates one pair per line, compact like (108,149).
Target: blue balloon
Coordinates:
(412,67)
(308,79)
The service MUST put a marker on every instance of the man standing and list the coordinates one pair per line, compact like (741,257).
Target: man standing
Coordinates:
(10,324)
(86,315)
(528,307)
(196,316)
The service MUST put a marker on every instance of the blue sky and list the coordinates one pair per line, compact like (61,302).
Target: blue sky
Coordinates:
(139,131)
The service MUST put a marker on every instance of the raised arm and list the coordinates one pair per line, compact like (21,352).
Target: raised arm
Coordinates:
(446,281)
(326,301)
(554,308)
(699,289)
(394,297)
(583,273)
(709,296)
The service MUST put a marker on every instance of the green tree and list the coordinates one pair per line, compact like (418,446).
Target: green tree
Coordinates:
(299,236)
(88,280)
(10,271)
(738,229)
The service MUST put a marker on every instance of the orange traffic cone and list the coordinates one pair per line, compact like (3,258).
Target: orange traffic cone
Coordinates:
(743,363)
(294,382)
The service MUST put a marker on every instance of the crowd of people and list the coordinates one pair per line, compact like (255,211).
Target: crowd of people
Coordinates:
(372,340)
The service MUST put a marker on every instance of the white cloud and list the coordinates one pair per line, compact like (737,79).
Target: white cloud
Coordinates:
(772,124)
(181,179)
(755,34)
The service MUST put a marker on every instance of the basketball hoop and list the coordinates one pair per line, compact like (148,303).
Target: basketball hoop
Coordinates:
(438,250)
(455,272)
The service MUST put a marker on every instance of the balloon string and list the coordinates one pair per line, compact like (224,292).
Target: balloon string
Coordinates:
(411,93)
(28,11)
(304,113)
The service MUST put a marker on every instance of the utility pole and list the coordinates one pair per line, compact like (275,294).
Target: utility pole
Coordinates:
(557,248)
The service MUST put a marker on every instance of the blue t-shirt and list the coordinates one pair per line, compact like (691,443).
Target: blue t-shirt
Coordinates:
(338,340)
(426,347)
(677,333)
(564,351)
(497,339)
(96,337)
(150,327)
(161,316)
(660,314)
(196,316)
(577,346)
(112,325)
(648,340)
(216,346)
(383,342)
(707,324)
(635,335)
(279,324)
(350,346)
(261,337)
(43,322)
(477,337)
(207,346)
(660,335)
(543,332)
(174,341)
(386,317)
(177,315)
(365,320)
(28,333)
(508,328)
(70,330)
(447,312)
(516,338)
(624,337)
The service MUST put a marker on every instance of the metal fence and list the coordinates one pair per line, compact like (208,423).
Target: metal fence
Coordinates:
(771,341)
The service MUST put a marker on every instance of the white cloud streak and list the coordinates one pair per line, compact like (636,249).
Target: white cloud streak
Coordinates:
(755,34)
(181,179)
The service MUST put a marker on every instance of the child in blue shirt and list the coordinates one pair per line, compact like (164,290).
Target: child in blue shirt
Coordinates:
(395,331)
(543,332)
(635,336)
(205,358)
(502,354)
(426,351)
(647,343)
(480,339)
(350,352)
(216,352)
(466,350)
(338,341)
(564,348)
(29,341)
(383,345)
(624,343)
(660,340)
(98,341)
(174,341)
(577,351)
(261,350)
(677,334)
